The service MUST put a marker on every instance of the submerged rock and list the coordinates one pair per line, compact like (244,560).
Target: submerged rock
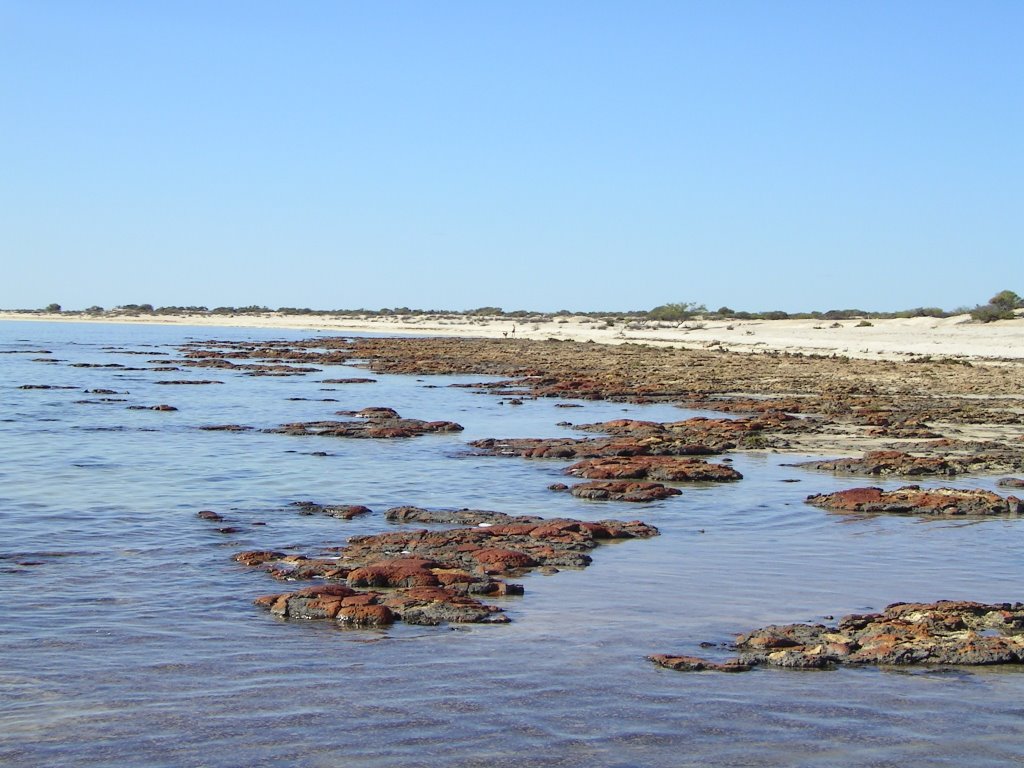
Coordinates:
(676,438)
(341,511)
(914,500)
(628,437)
(901,463)
(560,447)
(623,490)
(663,468)
(696,664)
(373,423)
(454,516)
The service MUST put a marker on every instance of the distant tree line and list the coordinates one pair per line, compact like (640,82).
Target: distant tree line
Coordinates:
(1002,306)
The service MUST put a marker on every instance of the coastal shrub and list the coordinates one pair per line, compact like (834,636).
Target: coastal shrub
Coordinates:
(135,308)
(864,324)
(52,308)
(1007,300)
(989,313)
(844,314)
(176,310)
(676,312)
(922,312)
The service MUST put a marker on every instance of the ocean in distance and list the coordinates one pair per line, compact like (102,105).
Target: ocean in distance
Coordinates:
(130,637)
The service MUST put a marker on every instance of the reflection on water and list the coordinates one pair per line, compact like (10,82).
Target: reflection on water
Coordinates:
(130,637)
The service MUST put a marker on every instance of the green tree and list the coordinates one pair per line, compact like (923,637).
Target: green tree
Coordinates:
(1007,300)
(53,308)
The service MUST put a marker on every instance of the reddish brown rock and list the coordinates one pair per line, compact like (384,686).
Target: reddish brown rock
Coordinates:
(258,557)
(914,500)
(399,572)
(498,560)
(661,468)
(623,490)
(322,601)
(370,615)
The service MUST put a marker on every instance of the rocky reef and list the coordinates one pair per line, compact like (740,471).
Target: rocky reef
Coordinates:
(432,576)
(880,463)
(914,500)
(945,632)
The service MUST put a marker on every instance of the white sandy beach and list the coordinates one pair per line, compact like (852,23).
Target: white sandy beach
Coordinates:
(894,339)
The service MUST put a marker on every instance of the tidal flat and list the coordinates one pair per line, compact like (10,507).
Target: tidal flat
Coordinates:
(132,637)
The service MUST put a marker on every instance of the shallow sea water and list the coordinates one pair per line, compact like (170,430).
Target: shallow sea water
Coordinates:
(130,638)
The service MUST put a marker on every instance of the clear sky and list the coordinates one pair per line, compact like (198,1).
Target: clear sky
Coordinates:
(529,155)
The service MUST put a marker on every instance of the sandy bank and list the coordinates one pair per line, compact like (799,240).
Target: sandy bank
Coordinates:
(881,340)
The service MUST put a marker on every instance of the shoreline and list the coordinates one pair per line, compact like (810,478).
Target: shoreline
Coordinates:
(888,339)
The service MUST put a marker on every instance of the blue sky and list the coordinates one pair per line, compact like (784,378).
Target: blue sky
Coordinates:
(530,155)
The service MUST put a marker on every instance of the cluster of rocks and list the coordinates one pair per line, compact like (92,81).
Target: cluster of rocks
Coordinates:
(945,632)
(765,430)
(431,577)
(627,465)
(915,500)
(372,423)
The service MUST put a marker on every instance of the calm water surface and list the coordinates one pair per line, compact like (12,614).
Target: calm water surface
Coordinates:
(130,638)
